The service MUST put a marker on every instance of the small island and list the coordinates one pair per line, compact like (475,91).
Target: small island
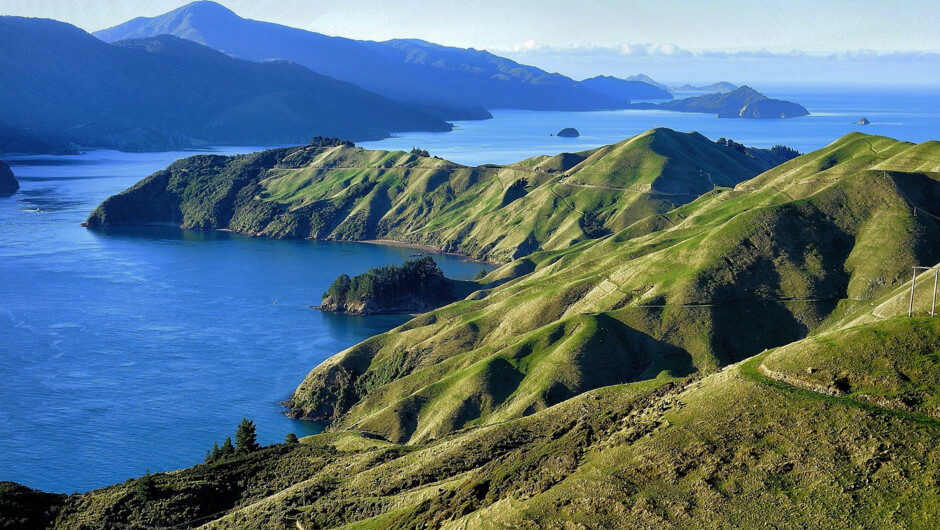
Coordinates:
(568,132)
(8,183)
(863,121)
(418,285)
(744,102)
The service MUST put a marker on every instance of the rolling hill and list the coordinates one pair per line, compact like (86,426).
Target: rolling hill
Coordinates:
(497,213)
(449,81)
(164,92)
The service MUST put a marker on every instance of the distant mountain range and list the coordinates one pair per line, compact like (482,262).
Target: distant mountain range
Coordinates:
(721,86)
(625,90)
(453,82)
(164,92)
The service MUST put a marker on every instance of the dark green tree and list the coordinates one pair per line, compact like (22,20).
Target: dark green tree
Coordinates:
(291,438)
(146,489)
(246,439)
(227,447)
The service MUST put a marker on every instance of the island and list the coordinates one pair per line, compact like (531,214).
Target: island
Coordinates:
(568,132)
(745,102)
(721,86)
(8,183)
(418,285)
(863,121)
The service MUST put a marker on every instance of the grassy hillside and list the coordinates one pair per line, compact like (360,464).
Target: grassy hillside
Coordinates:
(497,213)
(661,453)
(710,283)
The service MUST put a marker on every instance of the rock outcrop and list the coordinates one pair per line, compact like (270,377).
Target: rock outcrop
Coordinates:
(8,183)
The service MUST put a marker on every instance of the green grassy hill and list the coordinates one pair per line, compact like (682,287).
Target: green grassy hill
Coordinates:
(496,213)
(741,360)
(719,280)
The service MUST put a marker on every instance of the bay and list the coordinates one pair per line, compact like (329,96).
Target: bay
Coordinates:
(136,348)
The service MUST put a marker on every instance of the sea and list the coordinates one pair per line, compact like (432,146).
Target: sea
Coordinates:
(130,349)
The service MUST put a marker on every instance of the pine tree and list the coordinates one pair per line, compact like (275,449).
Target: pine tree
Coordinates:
(291,438)
(146,489)
(227,447)
(246,439)
(216,452)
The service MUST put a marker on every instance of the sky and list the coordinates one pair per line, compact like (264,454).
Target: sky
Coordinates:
(834,40)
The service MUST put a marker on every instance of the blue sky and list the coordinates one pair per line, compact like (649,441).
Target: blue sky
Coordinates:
(705,40)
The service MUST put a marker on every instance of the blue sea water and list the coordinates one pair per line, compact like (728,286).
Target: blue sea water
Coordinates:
(129,349)
(911,114)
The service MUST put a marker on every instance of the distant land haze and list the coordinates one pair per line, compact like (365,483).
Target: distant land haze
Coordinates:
(164,92)
(450,81)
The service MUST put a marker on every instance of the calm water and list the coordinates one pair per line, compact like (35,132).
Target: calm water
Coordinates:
(908,114)
(136,348)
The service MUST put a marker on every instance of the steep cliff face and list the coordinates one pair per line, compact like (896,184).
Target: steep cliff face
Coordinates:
(8,183)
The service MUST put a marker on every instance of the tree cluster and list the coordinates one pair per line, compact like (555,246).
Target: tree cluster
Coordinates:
(322,141)
(420,152)
(784,151)
(246,441)
(389,283)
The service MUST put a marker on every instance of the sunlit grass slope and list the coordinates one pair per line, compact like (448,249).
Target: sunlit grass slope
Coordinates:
(489,212)
(813,241)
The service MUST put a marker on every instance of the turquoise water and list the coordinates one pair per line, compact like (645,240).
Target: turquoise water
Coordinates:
(136,348)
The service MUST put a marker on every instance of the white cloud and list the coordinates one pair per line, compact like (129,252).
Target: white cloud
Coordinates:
(527,45)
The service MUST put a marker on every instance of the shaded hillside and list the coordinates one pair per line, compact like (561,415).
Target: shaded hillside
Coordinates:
(707,284)
(488,212)
(625,90)
(164,92)
(448,80)
(744,102)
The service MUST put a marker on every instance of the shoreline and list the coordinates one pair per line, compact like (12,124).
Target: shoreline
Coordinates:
(429,249)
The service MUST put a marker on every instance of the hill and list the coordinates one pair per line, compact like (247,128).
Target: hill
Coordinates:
(334,190)
(592,385)
(643,78)
(625,90)
(164,92)
(444,79)
(721,86)
(744,102)
(777,256)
